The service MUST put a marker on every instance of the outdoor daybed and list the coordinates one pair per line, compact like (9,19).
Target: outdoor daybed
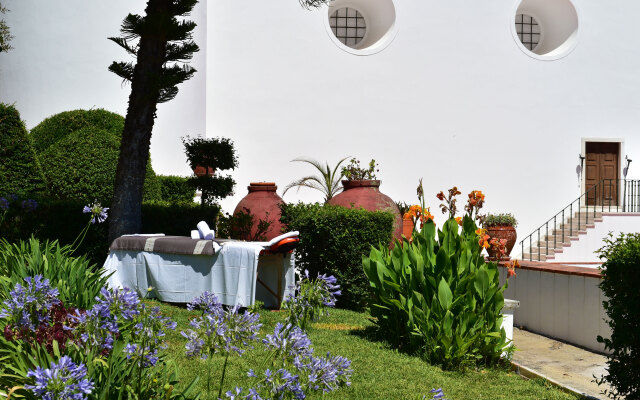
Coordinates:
(178,269)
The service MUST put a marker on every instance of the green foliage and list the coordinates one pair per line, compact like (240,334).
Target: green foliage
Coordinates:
(218,154)
(77,280)
(82,166)
(20,171)
(437,296)
(61,125)
(240,225)
(5,34)
(499,220)
(175,189)
(159,24)
(620,282)
(333,240)
(328,182)
(354,172)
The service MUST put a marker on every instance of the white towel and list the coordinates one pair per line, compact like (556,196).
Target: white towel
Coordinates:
(283,236)
(195,234)
(205,232)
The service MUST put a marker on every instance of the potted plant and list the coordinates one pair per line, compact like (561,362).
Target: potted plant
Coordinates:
(500,228)
(361,189)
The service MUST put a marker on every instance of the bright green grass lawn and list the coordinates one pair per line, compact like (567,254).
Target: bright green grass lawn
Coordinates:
(378,371)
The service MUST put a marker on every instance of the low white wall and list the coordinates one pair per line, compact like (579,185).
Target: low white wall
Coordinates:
(564,307)
(583,250)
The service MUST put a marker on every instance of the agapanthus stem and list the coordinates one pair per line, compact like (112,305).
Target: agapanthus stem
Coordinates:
(224,370)
(80,238)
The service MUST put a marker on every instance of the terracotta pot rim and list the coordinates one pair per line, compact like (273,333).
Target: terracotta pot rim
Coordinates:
(500,227)
(262,187)
(348,184)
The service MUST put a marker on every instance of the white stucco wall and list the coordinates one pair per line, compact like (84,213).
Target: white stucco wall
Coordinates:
(565,307)
(583,250)
(452,99)
(60,60)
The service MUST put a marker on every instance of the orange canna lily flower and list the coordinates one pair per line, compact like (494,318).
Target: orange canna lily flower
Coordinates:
(459,220)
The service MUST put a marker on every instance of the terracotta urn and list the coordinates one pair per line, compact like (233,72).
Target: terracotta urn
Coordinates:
(263,202)
(366,194)
(502,232)
(407,227)
(202,171)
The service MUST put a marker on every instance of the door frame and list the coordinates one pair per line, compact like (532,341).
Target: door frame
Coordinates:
(583,152)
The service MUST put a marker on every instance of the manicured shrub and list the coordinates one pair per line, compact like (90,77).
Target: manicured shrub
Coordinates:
(620,283)
(58,126)
(437,296)
(63,219)
(333,240)
(82,166)
(78,282)
(175,189)
(20,171)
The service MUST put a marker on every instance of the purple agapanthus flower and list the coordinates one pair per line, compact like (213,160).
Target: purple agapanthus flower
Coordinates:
(207,302)
(98,213)
(289,342)
(123,302)
(310,298)
(64,380)
(28,306)
(4,203)
(96,326)
(438,394)
(228,332)
(326,373)
(29,204)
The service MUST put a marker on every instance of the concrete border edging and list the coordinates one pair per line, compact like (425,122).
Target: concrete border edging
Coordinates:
(528,373)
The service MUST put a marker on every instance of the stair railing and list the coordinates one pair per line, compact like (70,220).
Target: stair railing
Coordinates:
(623,193)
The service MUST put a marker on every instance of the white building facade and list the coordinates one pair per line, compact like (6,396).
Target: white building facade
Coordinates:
(501,96)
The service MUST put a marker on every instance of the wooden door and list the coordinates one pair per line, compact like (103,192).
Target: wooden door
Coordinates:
(601,163)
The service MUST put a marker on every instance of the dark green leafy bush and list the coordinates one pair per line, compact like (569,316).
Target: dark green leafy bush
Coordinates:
(61,125)
(437,296)
(82,166)
(333,240)
(20,171)
(77,280)
(175,189)
(63,219)
(499,220)
(620,283)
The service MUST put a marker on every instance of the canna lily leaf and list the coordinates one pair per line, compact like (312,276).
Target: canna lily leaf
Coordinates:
(445,297)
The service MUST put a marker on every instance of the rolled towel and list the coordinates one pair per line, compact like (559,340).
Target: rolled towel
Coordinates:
(195,234)
(283,236)
(205,232)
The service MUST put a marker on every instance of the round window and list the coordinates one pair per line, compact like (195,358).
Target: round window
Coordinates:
(348,25)
(528,31)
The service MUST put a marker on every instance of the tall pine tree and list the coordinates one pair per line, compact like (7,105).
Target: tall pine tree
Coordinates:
(162,45)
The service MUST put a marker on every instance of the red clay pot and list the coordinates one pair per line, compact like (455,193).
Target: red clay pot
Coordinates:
(407,227)
(366,194)
(202,171)
(502,232)
(263,199)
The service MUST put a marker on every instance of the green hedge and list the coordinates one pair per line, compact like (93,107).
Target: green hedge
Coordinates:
(82,166)
(175,189)
(63,220)
(58,126)
(333,240)
(620,283)
(20,171)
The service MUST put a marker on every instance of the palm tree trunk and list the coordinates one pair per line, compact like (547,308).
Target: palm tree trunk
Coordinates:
(126,208)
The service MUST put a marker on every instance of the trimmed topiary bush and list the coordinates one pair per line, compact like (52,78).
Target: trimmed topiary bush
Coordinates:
(333,240)
(175,189)
(620,282)
(20,171)
(82,166)
(58,126)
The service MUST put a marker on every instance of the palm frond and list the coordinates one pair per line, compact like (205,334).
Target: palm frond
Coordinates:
(327,182)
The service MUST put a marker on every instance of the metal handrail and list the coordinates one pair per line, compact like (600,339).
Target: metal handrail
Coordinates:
(626,191)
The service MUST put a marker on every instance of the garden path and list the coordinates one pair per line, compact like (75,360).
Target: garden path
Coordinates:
(561,363)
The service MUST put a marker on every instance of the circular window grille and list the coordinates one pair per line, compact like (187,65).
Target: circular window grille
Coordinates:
(348,25)
(528,31)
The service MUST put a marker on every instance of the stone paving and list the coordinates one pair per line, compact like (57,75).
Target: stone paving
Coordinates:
(563,363)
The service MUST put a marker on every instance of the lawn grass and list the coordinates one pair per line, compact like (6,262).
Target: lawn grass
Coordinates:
(378,371)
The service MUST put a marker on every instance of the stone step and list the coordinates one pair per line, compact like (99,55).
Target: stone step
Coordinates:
(534,257)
